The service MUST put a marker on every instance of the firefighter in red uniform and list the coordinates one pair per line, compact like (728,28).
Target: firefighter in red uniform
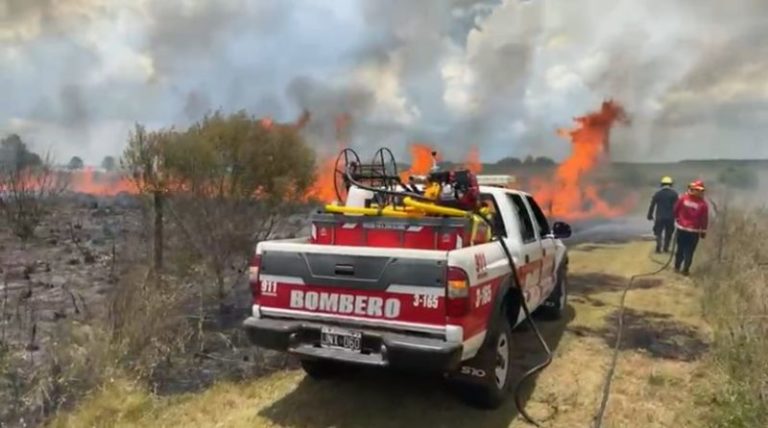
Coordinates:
(691,220)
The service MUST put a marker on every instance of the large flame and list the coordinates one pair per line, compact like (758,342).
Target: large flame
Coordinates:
(324,189)
(571,195)
(422,160)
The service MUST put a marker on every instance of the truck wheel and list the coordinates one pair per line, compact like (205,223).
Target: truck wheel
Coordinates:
(553,308)
(490,394)
(321,369)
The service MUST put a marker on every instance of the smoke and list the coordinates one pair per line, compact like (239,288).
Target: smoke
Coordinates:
(502,75)
(327,104)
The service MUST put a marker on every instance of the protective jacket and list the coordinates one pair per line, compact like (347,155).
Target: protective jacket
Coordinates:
(663,202)
(691,213)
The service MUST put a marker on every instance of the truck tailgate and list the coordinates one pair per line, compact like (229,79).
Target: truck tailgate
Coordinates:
(380,287)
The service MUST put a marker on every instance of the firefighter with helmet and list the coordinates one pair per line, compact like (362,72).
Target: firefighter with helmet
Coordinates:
(661,212)
(691,220)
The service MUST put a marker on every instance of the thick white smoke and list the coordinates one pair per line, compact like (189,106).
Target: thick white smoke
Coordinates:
(502,75)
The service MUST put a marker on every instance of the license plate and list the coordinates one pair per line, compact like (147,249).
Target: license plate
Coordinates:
(338,338)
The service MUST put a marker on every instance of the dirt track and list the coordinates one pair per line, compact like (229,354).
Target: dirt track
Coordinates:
(657,381)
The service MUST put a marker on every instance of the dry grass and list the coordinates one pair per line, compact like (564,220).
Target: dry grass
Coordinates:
(653,387)
(734,278)
(147,326)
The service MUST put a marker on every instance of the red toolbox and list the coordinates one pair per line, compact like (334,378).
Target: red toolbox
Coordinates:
(426,233)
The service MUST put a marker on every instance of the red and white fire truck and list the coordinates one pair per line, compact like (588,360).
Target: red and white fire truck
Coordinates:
(431,293)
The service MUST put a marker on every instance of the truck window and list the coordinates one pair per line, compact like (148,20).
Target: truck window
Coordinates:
(523,218)
(498,223)
(541,219)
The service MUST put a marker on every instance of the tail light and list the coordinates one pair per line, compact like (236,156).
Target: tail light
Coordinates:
(253,277)
(457,293)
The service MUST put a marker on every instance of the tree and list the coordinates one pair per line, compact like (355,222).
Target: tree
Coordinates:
(109,163)
(509,162)
(543,161)
(75,163)
(228,179)
(143,158)
(538,161)
(15,154)
(528,160)
(28,186)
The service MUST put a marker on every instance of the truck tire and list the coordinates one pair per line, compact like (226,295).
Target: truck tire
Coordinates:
(490,394)
(553,308)
(322,369)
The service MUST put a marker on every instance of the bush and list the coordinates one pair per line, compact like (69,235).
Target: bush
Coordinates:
(739,178)
(736,304)
(228,180)
(28,187)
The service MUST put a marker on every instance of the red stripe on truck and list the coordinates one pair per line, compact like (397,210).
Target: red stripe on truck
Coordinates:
(370,304)
(481,299)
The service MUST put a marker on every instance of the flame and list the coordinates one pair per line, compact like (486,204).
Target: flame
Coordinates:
(472,161)
(93,182)
(324,188)
(421,159)
(571,195)
(267,123)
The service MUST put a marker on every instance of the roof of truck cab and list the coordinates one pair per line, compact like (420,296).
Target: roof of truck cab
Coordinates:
(502,190)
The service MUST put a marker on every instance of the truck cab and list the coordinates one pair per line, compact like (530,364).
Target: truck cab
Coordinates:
(420,293)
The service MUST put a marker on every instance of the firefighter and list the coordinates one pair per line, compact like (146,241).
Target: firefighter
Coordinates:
(661,212)
(691,220)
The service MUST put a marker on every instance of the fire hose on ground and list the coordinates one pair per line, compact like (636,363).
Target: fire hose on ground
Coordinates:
(600,415)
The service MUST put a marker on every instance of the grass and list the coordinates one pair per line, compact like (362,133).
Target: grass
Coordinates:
(117,403)
(649,390)
(733,279)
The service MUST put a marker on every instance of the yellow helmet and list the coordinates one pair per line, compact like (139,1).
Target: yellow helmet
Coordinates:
(666,180)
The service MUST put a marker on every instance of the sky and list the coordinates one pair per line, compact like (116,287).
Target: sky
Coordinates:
(502,75)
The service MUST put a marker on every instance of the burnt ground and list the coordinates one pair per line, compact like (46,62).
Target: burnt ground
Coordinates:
(65,271)
(656,334)
(67,276)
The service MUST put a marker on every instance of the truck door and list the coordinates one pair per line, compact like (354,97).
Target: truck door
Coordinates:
(529,270)
(548,276)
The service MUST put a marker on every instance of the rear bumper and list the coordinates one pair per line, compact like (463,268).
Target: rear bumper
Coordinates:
(380,348)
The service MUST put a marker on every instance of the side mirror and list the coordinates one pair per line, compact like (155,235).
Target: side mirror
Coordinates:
(561,230)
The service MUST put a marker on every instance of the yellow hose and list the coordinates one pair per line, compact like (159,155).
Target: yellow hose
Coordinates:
(452,212)
(435,209)
(415,209)
(387,211)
